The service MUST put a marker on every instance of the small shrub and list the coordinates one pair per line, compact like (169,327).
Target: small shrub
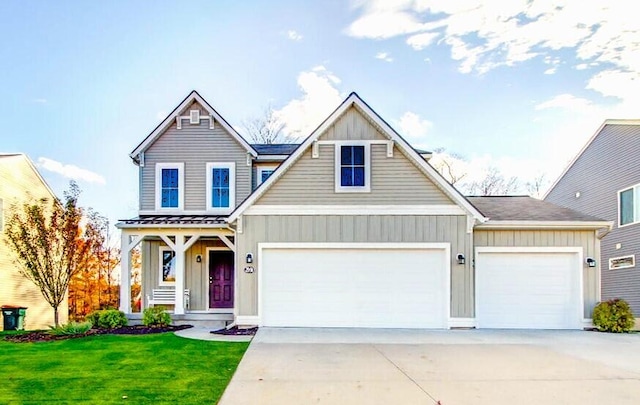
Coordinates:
(93,318)
(72,328)
(107,319)
(155,316)
(613,316)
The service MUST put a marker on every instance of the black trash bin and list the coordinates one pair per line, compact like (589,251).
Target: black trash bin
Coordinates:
(13,317)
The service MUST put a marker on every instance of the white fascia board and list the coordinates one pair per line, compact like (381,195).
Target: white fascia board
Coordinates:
(354,99)
(271,158)
(586,145)
(545,225)
(171,118)
(124,225)
(355,210)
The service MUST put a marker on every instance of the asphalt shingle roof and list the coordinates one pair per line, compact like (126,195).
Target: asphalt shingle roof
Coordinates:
(275,148)
(525,208)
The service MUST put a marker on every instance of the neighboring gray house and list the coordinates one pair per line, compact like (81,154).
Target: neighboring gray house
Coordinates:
(604,180)
(351,228)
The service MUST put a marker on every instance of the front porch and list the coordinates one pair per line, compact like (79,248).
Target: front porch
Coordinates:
(186,266)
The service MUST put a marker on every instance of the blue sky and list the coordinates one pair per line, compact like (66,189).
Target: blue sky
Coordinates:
(519,85)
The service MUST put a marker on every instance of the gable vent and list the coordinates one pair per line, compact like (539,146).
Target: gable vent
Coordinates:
(194,116)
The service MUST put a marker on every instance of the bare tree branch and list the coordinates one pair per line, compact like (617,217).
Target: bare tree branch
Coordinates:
(494,183)
(267,128)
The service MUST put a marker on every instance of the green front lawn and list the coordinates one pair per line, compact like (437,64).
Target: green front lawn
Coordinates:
(158,368)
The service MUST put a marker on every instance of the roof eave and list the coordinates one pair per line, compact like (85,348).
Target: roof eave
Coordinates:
(515,224)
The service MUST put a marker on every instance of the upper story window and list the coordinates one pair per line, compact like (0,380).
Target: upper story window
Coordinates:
(221,187)
(353,167)
(169,186)
(629,205)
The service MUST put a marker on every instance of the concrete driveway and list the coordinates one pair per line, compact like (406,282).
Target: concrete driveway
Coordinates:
(364,366)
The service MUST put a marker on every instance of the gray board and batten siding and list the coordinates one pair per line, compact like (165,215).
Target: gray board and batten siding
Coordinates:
(609,164)
(552,238)
(195,146)
(358,229)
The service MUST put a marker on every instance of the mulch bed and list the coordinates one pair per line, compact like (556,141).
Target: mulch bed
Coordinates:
(236,331)
(44,336)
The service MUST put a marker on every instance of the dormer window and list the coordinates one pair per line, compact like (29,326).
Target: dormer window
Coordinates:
(221,187)
(169,186)
(353,167)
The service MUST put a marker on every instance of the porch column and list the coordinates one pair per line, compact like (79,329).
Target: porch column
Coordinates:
(180,265)
(125,273)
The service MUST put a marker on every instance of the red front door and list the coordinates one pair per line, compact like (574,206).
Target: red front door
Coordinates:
(221,279)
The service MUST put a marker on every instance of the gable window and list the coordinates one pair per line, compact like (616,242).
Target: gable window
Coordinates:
(264,172)
(167,266)
(629,206)
(221,187)
(353,167)
(169,186)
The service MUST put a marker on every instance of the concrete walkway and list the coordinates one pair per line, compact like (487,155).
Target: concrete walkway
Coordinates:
(200,333)
(361,366)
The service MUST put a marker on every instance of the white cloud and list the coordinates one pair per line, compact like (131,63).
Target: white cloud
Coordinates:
(294,35)
(550,71)
(414,128)
(485,34)
(319,98)
(567,102)
(384,56)
(40,100)
(421,41)
(70,171)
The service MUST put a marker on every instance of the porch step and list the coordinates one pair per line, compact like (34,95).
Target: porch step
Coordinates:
(207,320)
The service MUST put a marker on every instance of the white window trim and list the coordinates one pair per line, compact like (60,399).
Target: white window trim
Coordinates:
(633,262)
(232,187)
(636,205)
(367,167)
(263,168)
(159,167)
(160,281)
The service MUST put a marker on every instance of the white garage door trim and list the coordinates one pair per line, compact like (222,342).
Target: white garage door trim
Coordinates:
(445,247)
(578,268)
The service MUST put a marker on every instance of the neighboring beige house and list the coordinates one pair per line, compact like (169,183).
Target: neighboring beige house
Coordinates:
(351,228)
(20,182)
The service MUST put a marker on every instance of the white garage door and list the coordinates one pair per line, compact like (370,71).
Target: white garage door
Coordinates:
(359,286)
(529,289)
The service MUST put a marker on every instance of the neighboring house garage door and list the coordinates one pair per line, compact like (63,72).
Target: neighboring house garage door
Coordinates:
(537,288)
(354,285)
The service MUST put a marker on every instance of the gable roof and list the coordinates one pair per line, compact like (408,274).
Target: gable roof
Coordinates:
(589,142)
(354,100)
(30,163)
(193,96)
(525,208)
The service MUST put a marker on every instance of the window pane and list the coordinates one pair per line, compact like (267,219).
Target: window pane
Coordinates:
(168,266)
(346,155)
(216,177)
(169,178)
(358,155)
(169,198)
(358,176)
(224,175)
(626,207)
(265,174)
(224,197)
(173,197)
(346,178)
(215,197)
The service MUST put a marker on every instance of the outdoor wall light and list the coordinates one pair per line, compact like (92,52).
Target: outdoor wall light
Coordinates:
(590,262)
(199,258)
(249,258)
(460,258)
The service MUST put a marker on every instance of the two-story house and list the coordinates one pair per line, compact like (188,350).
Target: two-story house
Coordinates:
(604,180)
(21,183)
(350,228)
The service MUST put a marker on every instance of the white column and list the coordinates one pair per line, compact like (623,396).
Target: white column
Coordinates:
(180,265)
(125,273)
